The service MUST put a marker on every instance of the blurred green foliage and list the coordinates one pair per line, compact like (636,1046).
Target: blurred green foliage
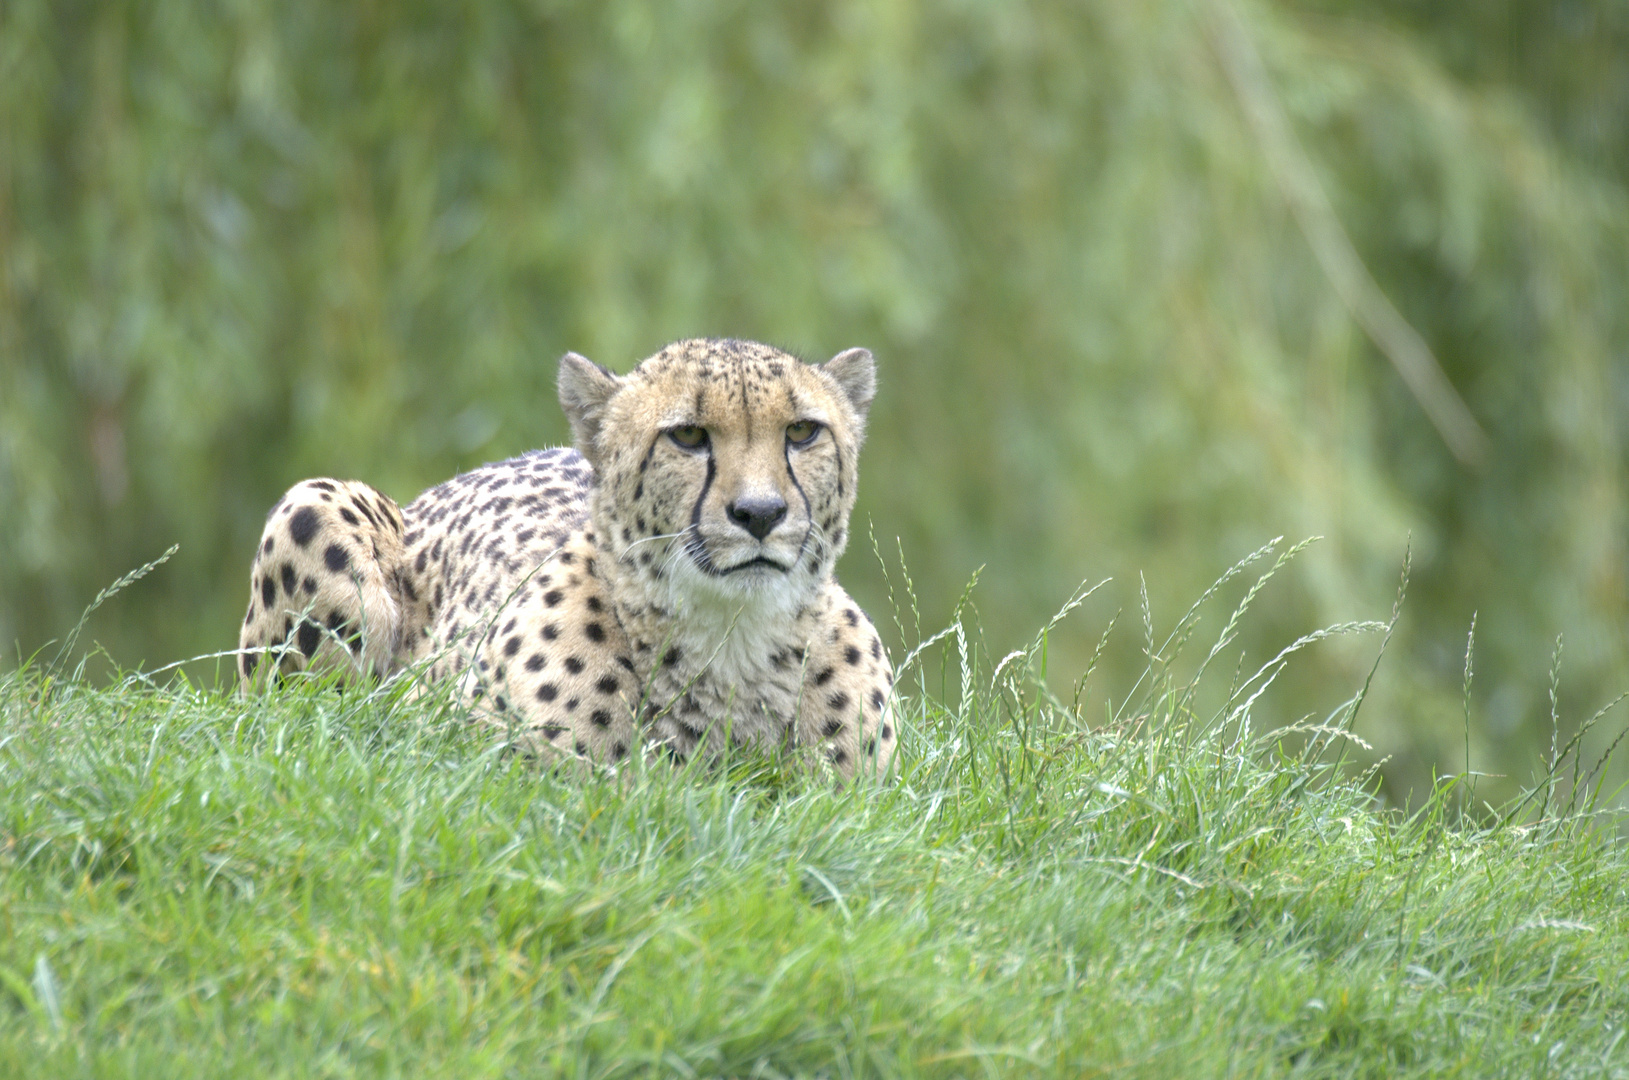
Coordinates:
(244,243)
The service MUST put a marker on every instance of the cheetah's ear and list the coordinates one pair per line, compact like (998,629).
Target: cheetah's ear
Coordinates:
(856,372)
(585,390)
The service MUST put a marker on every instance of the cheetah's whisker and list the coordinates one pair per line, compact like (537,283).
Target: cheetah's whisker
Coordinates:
(647,539)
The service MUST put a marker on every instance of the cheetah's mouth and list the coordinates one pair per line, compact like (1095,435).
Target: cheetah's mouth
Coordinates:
(760,562)
(704,561)
(748,565)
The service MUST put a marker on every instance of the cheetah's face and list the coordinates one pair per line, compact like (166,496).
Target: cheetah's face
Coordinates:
(726,465)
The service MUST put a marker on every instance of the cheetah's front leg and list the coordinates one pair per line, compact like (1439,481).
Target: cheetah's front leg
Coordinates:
(328,583)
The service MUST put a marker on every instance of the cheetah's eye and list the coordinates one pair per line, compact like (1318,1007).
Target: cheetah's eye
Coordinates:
(689,436)
(802,433)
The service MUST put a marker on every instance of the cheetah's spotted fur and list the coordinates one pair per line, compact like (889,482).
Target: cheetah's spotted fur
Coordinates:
(668,581)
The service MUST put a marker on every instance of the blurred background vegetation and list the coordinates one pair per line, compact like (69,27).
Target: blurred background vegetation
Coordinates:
(1125,265)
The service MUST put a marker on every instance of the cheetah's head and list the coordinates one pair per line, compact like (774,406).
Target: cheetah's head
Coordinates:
(726,469)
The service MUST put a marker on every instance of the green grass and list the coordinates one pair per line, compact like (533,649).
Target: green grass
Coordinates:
(338,884)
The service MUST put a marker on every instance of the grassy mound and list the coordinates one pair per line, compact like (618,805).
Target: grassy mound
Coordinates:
(327,884)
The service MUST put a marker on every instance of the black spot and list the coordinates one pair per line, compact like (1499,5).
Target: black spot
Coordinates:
(594,604)
(250,659)
(852,654)
(876,648)
(340,626)
(619,751)
(350,518)
(887,733)
(838,701)
(566,557)
(503,706)
(553,597)
(838,757)
(550,731)
(304,525)
(607,684)
(336,559)
(574,665)
(308,636)
(595,632)
(547,692)
(418,563)
(266,549)
(572,703)
(825,676)
(625,662)
(322,485)
(268,591)
(876,698)
(535,662)
(672,656)
(601,718)
(852,616)
(512,646)
(550,632)
(832,727)
(871,747)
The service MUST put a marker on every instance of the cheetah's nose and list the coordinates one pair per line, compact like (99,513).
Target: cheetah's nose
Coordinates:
(758,514)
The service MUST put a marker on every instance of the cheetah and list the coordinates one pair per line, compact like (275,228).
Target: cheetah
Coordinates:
(667,582)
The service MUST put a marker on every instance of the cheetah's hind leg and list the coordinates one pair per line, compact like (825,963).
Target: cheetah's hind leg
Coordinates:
(323,590)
